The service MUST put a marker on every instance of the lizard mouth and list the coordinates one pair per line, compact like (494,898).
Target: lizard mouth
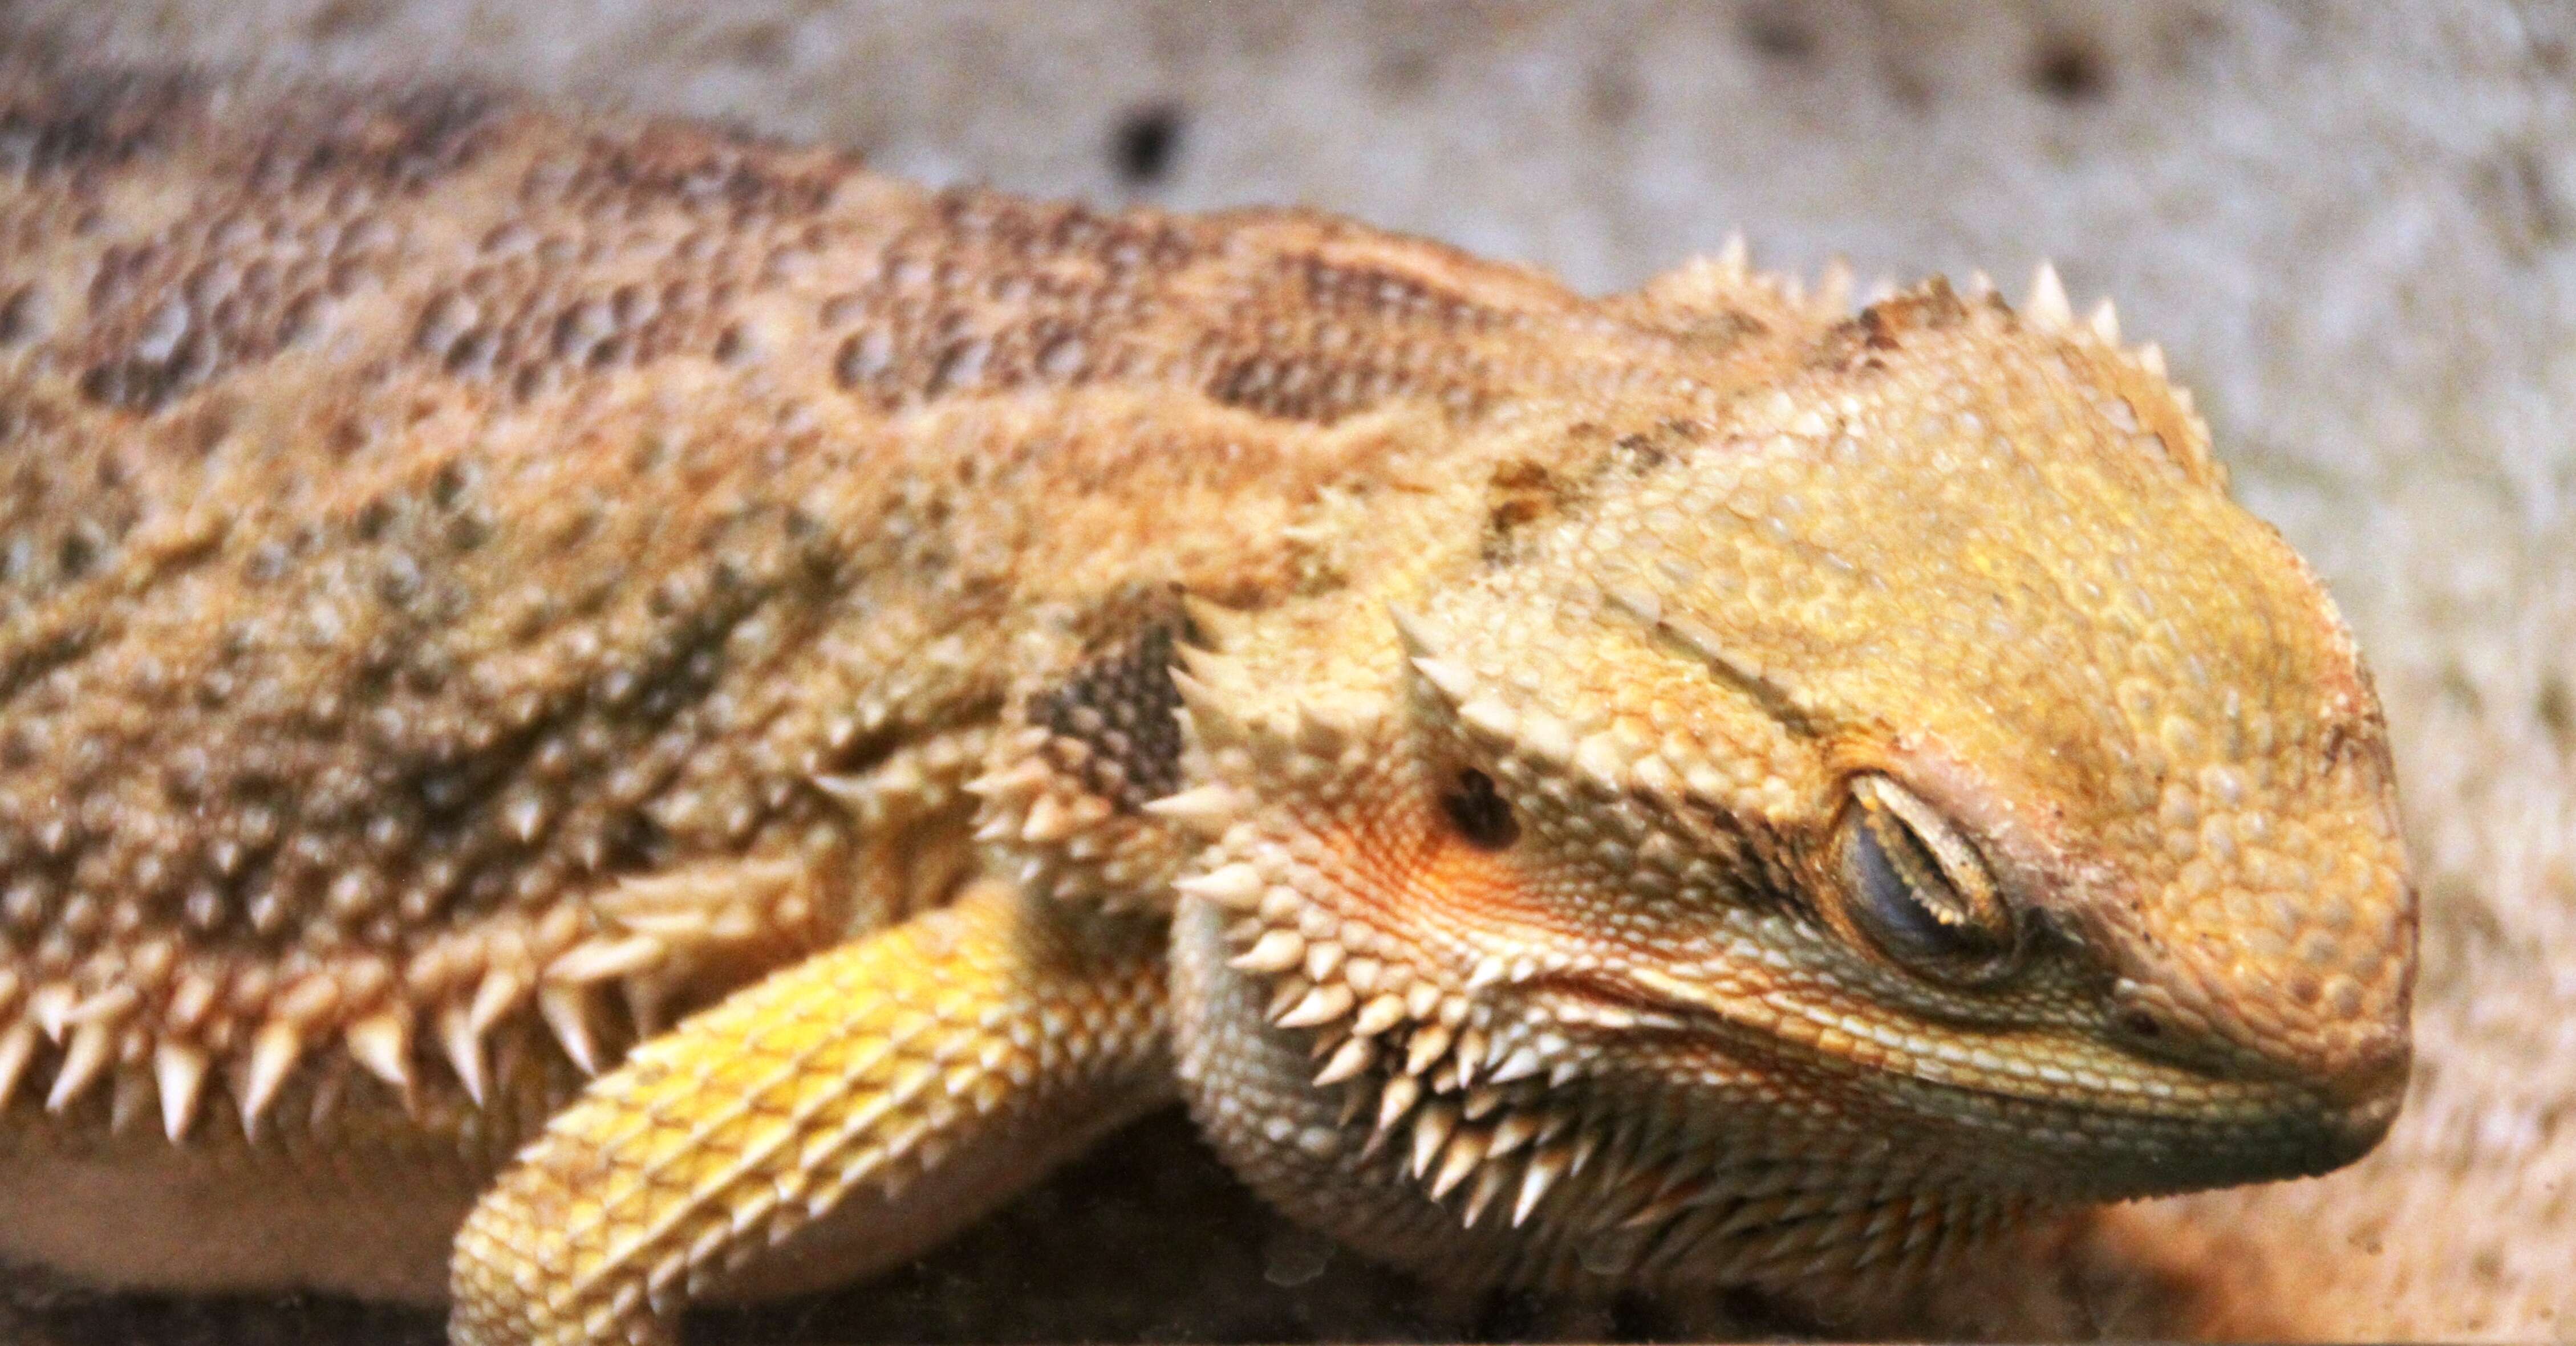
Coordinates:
(2115,1126)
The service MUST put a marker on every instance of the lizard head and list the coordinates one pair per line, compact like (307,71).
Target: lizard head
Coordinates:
(1915,795)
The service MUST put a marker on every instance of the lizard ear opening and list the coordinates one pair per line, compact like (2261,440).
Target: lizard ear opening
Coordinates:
(1480,814)
(1918,892)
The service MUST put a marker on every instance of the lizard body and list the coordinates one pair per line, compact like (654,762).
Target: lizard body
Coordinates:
(721,712)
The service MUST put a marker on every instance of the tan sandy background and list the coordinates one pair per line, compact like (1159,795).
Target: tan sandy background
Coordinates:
(2352,227)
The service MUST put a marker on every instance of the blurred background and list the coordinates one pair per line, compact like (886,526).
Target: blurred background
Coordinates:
(2353,229)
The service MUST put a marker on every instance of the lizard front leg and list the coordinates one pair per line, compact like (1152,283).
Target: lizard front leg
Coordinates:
(833,1117)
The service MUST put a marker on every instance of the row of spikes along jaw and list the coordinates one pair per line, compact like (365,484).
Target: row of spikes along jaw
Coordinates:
(1500,1108)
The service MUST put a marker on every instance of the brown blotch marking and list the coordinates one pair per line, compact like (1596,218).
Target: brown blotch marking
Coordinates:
(1859,342)
(1121,706)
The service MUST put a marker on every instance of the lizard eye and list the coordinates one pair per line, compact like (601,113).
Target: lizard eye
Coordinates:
(1918,891)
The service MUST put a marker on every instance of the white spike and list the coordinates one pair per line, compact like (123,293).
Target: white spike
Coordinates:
(1236,886)
(2151,358)
(1323,959)
(464,1047)
(2047,308)
(1205,809)
(1020,779)
(1414,634)
(1321,733)
(1275,951)
(51,1008)
(1454,681)
(1520,1065)
(602,958)
(1321,1005)
(1048,821)
(567,1012)
(1515,1130)
(1489,717)
(179,1072)
(1674,1199)
(494,996)
(1466,1151)
(1378,1015)
(1833,291)
(1213,669)
(1352,1057)
(382,1043)
(1979,285)
(2105,322)
(1489,1184)
(1488,971)
(1219,628)
(106,1007)
(1431,1129)
(524,817)
(273,1052)
(1421,1000)
(855,793)
(1544,1168)
(1470,1056)
(1214,723)
(1736,255)
(1402,1092)
(85,1060)
(1430,1043)
(1284,995)
(17,1048)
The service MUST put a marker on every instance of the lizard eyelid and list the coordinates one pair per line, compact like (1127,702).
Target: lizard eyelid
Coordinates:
(1919,893)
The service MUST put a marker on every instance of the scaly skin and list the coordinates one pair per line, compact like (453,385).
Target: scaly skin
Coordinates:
(662,648)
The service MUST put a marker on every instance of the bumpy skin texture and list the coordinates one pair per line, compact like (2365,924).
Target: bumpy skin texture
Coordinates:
(507,618)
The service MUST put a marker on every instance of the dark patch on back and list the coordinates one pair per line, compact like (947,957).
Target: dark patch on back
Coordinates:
(402,141)
(1120,707)
(990,294)
(707,174)
(218,291)
(89,120)
(1343,339)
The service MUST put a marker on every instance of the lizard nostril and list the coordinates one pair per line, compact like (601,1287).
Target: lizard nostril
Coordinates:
(2140,1024)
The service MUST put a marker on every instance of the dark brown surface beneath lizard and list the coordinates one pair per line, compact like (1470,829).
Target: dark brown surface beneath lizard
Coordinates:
(1147,1239)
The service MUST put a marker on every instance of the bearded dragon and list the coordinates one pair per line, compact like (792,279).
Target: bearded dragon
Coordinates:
(598,714)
